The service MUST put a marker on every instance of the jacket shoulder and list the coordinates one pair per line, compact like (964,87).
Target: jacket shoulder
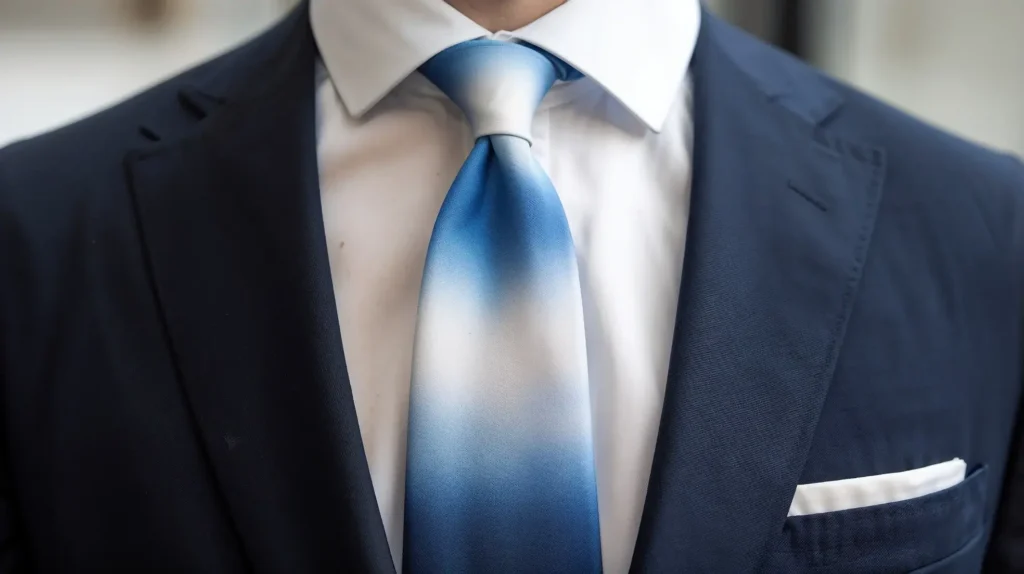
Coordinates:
(939,179)
(89,148)
(912,146)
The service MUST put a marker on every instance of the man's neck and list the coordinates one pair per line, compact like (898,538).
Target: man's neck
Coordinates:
(498,15)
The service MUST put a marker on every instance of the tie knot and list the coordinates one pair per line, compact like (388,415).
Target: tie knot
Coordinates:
(497,84)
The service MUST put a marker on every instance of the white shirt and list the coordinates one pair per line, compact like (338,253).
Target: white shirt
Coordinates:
(617,146)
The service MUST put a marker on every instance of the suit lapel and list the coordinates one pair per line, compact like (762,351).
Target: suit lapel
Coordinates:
(781,216)
(230,218)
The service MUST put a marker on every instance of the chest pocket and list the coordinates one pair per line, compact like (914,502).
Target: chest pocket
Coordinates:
(933,534)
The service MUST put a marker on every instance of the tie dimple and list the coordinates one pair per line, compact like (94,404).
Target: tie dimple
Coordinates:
(500,472)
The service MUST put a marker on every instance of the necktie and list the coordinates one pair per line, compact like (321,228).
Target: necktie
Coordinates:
(500,471)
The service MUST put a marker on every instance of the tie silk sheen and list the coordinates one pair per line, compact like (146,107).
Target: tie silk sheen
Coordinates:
(500,472)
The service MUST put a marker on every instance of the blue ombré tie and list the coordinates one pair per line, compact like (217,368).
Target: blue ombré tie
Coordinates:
(500,474)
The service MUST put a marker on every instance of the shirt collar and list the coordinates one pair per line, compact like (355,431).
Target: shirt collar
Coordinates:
(637,50)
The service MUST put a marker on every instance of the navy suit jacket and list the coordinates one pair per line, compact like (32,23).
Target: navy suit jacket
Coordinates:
(174,397)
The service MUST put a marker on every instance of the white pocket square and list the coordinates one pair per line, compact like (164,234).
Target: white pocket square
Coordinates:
(853,493)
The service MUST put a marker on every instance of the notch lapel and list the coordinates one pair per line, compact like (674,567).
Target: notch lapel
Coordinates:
(781,216)
(230,219)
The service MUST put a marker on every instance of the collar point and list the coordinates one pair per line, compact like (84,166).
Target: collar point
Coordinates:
(654,115)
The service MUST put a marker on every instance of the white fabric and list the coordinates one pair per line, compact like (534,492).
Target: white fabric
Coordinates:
(853,493)
(389,146)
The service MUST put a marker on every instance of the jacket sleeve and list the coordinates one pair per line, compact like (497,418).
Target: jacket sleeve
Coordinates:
(1006,542)
(13,559)
(13,554)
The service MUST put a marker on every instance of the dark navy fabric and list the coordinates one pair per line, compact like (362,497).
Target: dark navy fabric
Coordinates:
(174,396)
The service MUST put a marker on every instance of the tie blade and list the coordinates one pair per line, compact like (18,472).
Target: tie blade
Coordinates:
(500,470)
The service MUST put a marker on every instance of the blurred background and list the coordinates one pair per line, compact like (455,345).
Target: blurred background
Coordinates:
(956,63)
